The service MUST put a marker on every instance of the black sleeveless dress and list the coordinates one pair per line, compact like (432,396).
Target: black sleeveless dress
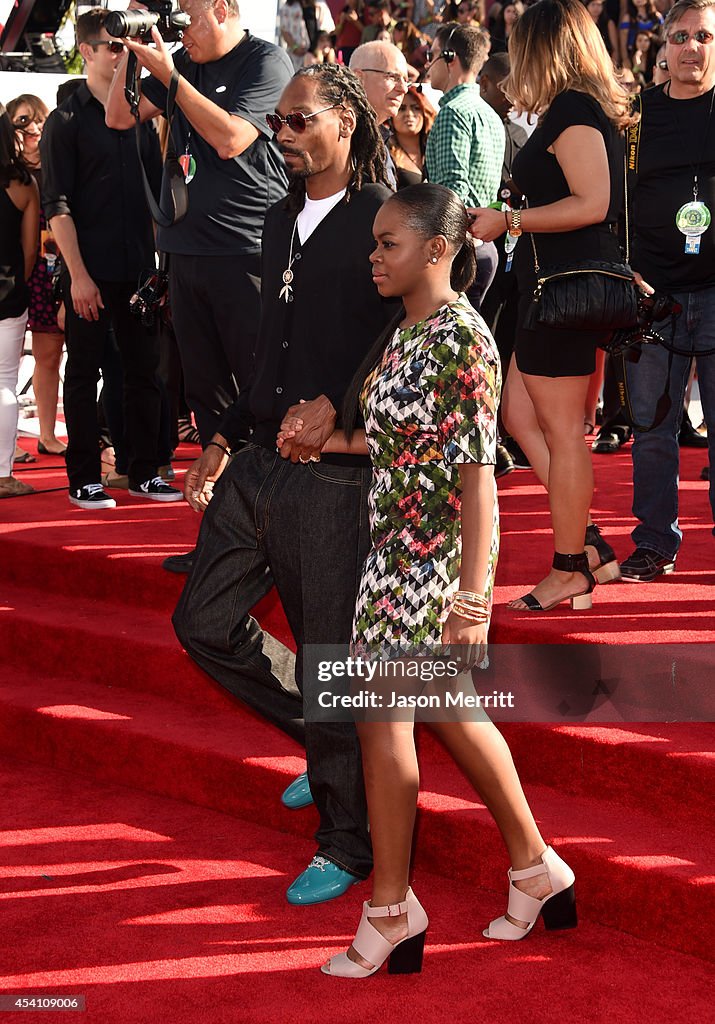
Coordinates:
(546,351)
(13,288)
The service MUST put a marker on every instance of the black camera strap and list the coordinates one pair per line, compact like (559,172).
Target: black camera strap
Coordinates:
(173,172)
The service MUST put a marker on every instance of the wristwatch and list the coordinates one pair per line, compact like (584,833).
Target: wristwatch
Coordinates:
(515,228)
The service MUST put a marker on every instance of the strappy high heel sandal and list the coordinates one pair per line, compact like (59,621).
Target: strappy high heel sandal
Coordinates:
(608,569)
(567,563)
(558,909)
(404,957)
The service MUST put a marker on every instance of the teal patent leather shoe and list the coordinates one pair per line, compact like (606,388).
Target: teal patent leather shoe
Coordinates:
(298,794)
(321,881)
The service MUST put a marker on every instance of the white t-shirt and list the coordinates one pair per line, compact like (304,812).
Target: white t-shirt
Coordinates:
(315,211)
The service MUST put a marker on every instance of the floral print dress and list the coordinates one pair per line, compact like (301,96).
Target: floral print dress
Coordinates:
(429,406)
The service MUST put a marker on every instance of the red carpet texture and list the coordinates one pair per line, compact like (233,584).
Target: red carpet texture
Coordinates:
(144,853)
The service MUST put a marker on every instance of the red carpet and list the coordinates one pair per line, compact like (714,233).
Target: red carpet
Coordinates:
(94,686)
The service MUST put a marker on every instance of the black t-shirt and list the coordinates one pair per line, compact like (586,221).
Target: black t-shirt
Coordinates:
(313,345)
(539,176)
(228,199)
(674,139)
(13,289)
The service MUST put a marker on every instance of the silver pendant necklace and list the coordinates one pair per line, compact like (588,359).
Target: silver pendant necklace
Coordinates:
(286,291)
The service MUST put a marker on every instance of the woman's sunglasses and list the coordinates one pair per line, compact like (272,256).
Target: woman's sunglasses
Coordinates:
(297,122)
(25,120)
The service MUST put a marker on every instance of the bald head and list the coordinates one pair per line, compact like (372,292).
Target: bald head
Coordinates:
(382,69)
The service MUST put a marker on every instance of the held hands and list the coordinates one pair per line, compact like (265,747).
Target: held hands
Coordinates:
(305,429)
(201,477)
(156,59)
(643,285)
(486,224)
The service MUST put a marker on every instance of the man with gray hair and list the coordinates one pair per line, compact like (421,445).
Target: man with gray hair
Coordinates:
(672,163)
(382,69)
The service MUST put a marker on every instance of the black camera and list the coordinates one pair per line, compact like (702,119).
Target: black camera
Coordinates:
(138,24)
(149,297)
(652,309)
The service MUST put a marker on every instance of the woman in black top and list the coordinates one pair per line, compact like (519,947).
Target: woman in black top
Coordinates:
(19,234)
(571,171)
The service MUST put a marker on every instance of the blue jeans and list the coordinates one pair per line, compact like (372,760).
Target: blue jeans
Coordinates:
(656,454)
(305,529)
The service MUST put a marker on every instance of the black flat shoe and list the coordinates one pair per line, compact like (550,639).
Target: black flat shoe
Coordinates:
(42,450)
(179,563)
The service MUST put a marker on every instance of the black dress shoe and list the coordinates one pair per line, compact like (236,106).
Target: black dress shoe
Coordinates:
(179,563)
(705,473)
(610,439)
(517,456)
(689,437)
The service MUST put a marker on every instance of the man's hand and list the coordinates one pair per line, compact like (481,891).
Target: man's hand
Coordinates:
(643,285)
(201,477)
(156,59)
(86,297)
(318,423)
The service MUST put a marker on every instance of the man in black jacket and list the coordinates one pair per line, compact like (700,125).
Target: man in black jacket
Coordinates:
(299,523)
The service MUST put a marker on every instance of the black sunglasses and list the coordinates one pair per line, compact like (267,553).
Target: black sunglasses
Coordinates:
(297,121)
(114,45)
(24,120)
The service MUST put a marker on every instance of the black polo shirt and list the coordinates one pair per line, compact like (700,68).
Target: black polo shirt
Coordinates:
(228,199)
(314,344)
(92,173)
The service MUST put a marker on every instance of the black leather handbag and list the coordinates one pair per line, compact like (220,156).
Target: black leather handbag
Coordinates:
(592,295)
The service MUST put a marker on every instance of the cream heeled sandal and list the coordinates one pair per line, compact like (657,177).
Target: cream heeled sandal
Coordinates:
(558,909)
(405,956)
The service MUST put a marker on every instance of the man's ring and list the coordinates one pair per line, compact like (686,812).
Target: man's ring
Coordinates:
(314,458)
(304,461)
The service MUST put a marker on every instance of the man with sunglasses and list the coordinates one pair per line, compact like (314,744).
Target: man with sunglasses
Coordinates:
(465,149)
(298,518)
(95,205)
(228,80)
(673,167)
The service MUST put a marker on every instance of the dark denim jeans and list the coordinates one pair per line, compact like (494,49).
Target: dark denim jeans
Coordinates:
(305,529)
(656,454)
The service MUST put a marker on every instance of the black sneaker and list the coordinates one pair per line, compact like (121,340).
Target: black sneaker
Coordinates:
(504,463)
(91,496)
(180,563)
(644,565)
(157,490)
(517,456)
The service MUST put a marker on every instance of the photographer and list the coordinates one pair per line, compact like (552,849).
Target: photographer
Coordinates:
(94,202)
(674,251)
(228,81)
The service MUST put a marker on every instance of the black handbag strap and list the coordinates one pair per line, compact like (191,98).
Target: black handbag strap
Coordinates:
(178,189)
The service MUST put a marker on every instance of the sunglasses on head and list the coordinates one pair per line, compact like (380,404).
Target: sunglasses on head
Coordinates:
(297,121)
(681,36)
(114,45)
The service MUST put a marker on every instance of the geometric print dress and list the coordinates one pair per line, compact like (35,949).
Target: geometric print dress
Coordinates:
(429,406)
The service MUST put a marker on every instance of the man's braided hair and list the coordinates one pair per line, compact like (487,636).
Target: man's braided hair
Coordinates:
(337,84)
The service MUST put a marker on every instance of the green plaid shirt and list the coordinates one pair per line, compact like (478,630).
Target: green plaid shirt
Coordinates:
(465,149)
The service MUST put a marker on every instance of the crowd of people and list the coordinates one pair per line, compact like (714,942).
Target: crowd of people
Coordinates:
(353,466)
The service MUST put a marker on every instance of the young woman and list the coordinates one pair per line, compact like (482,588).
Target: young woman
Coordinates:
(19,234)
(640,16)
(411,126)
(571,171)
(28,114)
(408,38)
(429,391)
(504,25)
